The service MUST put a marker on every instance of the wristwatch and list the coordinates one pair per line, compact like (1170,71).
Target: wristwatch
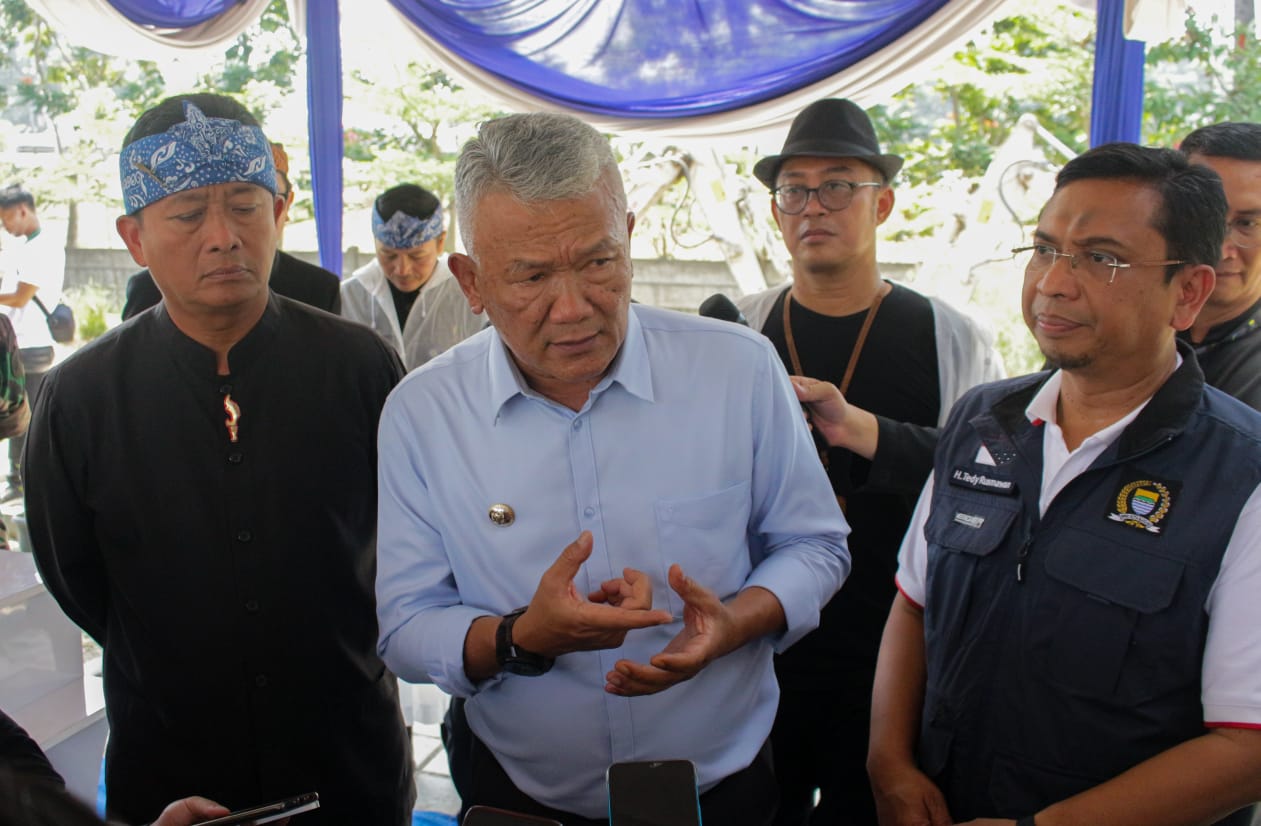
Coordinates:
(513,658)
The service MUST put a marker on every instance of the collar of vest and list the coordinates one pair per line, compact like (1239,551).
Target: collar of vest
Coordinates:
(1164,417)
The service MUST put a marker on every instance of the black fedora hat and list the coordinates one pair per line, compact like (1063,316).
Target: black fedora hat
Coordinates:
(830,128)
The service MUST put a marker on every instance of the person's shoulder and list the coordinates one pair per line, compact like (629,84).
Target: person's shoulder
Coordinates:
(313,273)
(656,320)
(1227,412)
(458,369)
(308,326)
(757,299)
(127,346)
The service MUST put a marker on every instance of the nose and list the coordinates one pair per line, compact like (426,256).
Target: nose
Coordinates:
(220,230)
(814,204)
(569,301)
(1060,279)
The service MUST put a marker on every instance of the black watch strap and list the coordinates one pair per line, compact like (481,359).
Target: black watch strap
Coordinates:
(1026,821)
(511,657)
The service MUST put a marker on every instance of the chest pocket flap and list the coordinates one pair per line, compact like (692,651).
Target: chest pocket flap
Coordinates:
(969,524)
(1113,571)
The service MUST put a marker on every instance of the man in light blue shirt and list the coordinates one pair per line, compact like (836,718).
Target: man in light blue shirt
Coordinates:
(597,521)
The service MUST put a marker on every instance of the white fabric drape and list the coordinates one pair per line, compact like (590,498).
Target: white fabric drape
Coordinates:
(866,82)
(96,25)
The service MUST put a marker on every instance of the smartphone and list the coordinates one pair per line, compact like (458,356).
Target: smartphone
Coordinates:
(268,813)
(490,816)
(653,793)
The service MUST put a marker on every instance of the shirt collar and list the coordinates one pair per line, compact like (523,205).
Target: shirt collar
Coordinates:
(630,369)
(1042,407)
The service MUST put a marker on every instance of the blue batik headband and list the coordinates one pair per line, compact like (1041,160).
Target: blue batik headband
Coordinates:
(403,231)
(198,152)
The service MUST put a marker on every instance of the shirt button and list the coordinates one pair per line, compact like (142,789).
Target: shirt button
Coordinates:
(252,606)
(236,458)
(577,424)
(589,512)
(244,536)
(225,389)
(261,681)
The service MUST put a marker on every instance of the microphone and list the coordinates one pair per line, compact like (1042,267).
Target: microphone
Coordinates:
(722,308)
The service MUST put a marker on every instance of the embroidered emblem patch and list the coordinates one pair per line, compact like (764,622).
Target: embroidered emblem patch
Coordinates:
(1143,504)
(979,480)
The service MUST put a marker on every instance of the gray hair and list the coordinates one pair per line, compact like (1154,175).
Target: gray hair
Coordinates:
(534,157)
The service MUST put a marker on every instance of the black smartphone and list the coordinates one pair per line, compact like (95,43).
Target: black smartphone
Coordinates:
(490,816)
(653,793)
(269,812)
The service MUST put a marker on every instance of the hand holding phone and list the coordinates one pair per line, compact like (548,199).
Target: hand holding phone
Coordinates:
(269,812)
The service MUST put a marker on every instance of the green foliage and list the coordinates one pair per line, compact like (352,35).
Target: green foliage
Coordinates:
(1209,75)
(1036,60)
(408,128)
(93,305)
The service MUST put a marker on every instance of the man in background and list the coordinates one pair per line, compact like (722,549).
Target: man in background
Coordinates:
(900,360)
(392,293)
(34,274)
(290,276)
(1227,333)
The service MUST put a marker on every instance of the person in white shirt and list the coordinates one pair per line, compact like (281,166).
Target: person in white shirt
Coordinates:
(392,294)
(35,272)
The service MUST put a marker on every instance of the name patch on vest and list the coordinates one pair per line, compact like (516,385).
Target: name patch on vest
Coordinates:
(977,480)
(1143,503)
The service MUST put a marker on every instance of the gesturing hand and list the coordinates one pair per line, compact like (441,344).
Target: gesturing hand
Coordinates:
(559,619)
(707,633)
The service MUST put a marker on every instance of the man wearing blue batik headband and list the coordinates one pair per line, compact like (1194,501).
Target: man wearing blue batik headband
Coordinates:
(183,515)
(406,294)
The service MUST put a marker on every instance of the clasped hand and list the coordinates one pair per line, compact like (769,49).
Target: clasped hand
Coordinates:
(560,620)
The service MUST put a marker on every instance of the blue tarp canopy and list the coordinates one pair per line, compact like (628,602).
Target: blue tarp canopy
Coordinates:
(656,65)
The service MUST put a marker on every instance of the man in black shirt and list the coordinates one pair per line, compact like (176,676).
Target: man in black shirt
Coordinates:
(1225,335)
(204,504)
(901,360)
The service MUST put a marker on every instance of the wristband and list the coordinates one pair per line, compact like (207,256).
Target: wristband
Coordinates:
(1026,821)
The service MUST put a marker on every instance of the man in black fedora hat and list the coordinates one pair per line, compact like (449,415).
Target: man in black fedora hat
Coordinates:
(879,366)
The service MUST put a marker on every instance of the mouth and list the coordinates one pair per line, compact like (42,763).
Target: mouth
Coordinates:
(1055,325)
(575,344)
(228,273)
(814,233)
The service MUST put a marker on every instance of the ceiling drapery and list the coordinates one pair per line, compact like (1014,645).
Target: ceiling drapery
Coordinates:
(679,67)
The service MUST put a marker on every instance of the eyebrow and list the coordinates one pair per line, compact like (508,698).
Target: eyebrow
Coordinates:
(1090,241)
(518,265)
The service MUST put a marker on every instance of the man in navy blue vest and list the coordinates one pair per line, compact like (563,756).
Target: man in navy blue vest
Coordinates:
(1075,638)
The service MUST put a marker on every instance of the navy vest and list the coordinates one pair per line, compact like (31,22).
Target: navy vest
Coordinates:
(1064,649)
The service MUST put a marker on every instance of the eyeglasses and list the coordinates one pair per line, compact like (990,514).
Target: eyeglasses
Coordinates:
(1100,266)
(1244,232)
(833,195)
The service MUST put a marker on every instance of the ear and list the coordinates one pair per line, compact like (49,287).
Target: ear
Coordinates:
(884,204)
(442,242)
(464,269)
(1192,287)
(630,224)
(278,207)
(129,230)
